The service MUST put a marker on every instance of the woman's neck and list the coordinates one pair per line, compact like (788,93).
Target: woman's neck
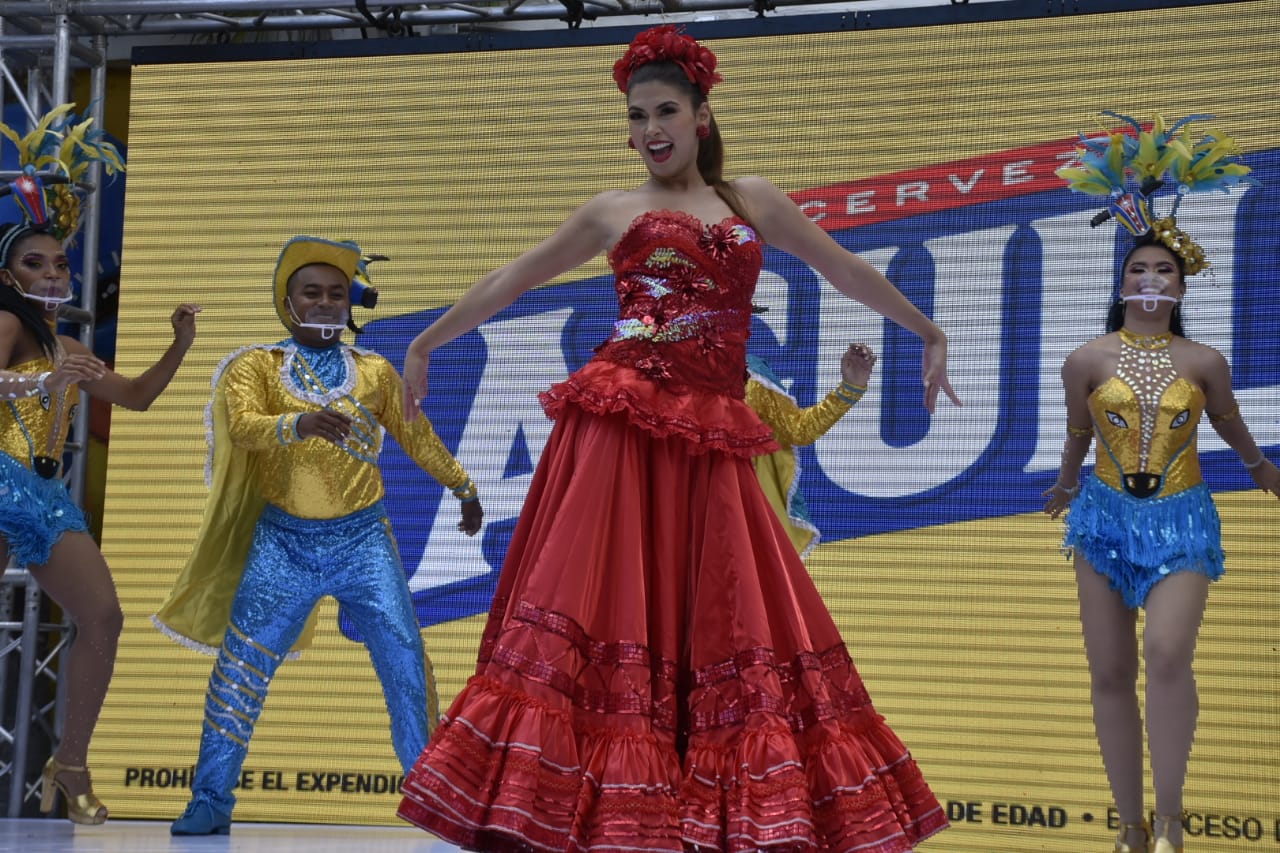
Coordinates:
(1146,326)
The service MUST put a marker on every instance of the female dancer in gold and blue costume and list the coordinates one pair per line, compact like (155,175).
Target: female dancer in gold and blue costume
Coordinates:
(41,375)
(1143,529)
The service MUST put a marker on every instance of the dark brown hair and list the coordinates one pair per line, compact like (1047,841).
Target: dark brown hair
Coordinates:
(12,301)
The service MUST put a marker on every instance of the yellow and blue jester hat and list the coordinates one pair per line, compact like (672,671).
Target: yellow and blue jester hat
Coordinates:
(1150,157)
(54,159)
(344,255)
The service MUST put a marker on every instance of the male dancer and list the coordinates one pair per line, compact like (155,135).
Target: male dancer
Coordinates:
(295,513)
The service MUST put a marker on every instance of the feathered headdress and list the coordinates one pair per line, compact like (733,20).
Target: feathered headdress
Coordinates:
(54,158)
(1151,157)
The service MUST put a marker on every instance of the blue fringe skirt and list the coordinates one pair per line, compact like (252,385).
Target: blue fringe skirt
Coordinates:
(1136,542)
(34,512)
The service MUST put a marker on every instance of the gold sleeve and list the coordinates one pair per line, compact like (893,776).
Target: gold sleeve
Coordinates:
(247,385)
(793,426)
(418,439)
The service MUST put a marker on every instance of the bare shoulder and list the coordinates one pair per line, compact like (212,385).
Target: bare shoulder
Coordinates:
(761,196)
(1196,352)
(610,213)
(1091,359)
(1200,363)
(72,345)
(751,185)
(1095,349)
(10,325)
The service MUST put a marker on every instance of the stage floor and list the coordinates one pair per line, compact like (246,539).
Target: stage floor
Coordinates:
(142,836)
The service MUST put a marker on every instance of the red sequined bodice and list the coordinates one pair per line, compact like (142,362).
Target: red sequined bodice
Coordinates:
(684,300)
(677,357)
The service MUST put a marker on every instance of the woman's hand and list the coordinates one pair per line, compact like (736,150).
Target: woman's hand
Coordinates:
(1058,497)
(1267,477)
(76,367)
(934,367)
(415,381)
(184,324)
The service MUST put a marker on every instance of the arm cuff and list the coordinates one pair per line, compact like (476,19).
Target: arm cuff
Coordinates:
(1231,414)
(287,428)
(467,491)
(847,393)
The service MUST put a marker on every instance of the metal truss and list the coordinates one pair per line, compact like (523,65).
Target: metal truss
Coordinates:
(36,64)
(155,17)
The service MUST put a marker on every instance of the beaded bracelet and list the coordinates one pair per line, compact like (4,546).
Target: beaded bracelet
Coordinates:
(1071,492)
(467,492)
(1079,432)
(849,393)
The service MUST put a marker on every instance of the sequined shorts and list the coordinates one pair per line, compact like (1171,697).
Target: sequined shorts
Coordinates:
(34,512)
(1137,542)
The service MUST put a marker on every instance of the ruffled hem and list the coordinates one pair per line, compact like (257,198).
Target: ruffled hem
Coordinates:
(706,421)
(1137,542)
(506,772)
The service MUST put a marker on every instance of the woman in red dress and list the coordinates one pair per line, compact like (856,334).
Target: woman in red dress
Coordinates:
(658,671)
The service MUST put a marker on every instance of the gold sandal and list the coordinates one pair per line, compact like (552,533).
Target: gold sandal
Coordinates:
(1163,844)
(83,808)
(1122,846)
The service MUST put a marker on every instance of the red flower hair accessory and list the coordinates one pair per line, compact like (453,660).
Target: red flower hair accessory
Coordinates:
(667,44)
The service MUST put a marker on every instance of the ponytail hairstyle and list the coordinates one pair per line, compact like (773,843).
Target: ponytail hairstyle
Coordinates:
(1115,314)
(14,302)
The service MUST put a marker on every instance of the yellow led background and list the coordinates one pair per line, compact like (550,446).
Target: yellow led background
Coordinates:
(451,164)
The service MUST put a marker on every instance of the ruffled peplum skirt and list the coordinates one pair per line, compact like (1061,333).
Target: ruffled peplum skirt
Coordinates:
(658,671)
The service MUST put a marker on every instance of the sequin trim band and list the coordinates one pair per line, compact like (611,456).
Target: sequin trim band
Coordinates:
(467,492)
(848,393)
(287,428)
(683,327)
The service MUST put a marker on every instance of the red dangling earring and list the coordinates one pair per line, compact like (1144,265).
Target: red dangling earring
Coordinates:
(704,130)
(631,143)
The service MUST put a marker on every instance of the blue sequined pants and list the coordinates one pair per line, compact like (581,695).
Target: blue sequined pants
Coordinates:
(292,563)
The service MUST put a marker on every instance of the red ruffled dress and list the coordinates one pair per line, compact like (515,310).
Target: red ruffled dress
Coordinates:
(658,671)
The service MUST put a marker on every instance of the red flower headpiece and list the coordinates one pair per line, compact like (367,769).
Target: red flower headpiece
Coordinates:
(666,43)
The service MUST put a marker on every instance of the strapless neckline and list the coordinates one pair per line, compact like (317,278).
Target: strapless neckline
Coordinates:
(694,222)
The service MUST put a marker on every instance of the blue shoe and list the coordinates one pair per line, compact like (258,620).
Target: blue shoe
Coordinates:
(202,818)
